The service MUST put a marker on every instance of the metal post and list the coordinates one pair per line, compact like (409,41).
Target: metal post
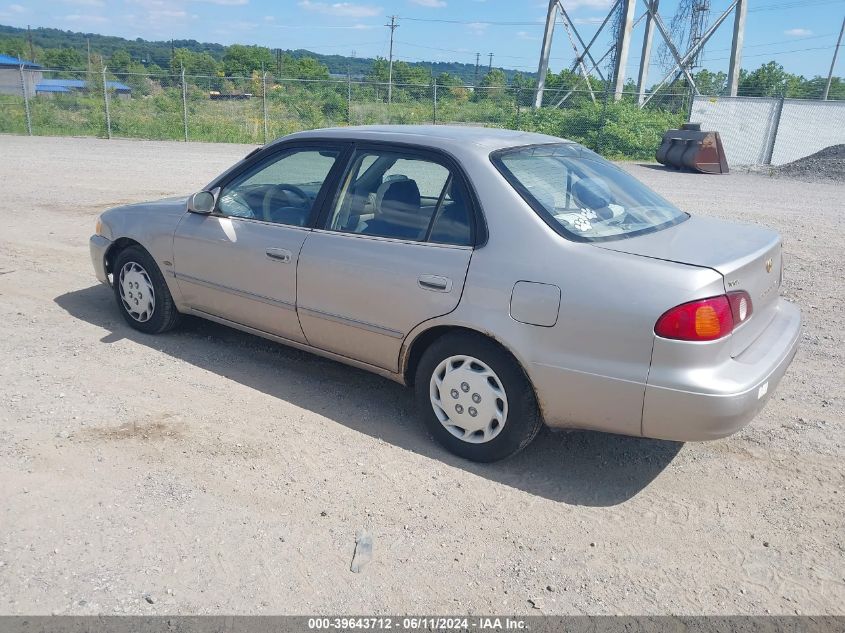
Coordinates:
(264,102)
(736,47)
(25,94)
(833,62)
(184,104)
(392,26)
(106,102)
(645,58)
(434,88)
(623,45)
(543,68)
(348,97)
(770,150)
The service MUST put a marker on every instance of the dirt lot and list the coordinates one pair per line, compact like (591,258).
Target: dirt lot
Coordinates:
(208,471)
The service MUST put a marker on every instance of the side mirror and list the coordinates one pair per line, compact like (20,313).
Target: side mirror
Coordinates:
(202,202)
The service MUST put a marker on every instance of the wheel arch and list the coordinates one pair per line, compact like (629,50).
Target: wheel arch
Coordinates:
(424,339)
(116,247)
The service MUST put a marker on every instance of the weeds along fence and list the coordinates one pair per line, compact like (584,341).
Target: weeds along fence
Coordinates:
(261,107)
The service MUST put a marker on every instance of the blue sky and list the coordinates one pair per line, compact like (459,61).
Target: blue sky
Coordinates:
(800,34)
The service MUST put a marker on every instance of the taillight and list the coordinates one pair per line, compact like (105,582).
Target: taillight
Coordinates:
(703,320)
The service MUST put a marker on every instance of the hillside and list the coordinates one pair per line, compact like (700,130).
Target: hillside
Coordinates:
(158,52)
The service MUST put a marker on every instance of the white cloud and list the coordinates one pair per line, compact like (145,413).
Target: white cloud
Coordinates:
(342,9)
(225,2)
(525,35)
(86,3)
(477,28)
(156,14)
(269,18)
(15,8)
(798,32)
(431,4)
(91,19)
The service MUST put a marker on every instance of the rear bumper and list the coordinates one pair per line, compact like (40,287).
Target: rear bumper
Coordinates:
(706,403)
(98,246)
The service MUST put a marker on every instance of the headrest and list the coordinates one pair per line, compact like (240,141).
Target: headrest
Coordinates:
(592,193)
(402,196)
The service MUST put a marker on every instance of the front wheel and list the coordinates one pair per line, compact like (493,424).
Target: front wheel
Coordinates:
(475,399)
(141,292)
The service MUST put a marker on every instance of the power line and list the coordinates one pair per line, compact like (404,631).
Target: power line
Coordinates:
(792,4)
(487,22)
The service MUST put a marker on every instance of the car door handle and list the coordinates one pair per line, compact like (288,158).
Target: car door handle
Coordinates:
(279,254)
(435,283)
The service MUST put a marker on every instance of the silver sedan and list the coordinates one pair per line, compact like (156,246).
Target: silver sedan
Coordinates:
(513,279)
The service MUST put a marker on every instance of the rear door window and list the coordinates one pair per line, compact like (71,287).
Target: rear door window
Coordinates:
(402,196)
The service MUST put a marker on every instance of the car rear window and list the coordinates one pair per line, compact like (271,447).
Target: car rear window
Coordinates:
(583,196)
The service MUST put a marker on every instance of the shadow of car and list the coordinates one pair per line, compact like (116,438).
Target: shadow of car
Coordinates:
(576,467)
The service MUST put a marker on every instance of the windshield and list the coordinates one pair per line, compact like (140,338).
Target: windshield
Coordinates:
(583,196)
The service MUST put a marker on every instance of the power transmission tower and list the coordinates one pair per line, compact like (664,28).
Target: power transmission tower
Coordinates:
(833,62)
(475,77)
(392,26)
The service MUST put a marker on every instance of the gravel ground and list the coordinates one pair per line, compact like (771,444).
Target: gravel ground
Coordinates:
(826,165)
(209,471)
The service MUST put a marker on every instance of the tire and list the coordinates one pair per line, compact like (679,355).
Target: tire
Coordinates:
(150,308)
(468,379)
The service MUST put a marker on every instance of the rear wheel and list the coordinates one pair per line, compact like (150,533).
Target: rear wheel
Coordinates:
(141,292)
(475,399)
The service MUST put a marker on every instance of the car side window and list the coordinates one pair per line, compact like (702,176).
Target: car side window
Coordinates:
(282,189)
(403,196)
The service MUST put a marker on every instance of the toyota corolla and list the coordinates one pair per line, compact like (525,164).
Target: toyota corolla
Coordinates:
(512,279)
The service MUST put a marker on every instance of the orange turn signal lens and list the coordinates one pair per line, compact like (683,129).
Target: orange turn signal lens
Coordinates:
(707,323)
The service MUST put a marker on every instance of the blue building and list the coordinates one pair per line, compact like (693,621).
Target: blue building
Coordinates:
(10,76)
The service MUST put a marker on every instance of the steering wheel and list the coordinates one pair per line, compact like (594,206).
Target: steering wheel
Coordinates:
(267,205)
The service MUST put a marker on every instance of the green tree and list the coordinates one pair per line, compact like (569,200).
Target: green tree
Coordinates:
(241,60)
(201,64)
(710,83)
(770,80)
(492,86)
(62,59)
(307,68)
(120,61)
(14,46)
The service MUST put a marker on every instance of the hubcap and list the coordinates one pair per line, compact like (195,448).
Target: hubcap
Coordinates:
(136,291)
(468,398)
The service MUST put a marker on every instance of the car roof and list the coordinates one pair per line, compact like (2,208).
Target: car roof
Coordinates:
(446,137)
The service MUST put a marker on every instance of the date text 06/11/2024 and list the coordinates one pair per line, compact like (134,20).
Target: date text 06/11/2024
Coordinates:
(417,623)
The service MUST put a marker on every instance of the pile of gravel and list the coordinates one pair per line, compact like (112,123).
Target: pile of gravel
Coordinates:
(825,165)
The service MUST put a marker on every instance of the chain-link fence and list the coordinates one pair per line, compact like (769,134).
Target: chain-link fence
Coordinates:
(262,107)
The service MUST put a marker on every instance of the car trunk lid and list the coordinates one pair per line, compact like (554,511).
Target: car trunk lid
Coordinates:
(748,257)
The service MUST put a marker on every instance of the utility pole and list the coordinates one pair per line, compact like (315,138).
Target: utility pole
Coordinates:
(490,62)
(392,26)
(475,78)
(736,47)
(89,56)
(543,68)
(833,61)
(31,48)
